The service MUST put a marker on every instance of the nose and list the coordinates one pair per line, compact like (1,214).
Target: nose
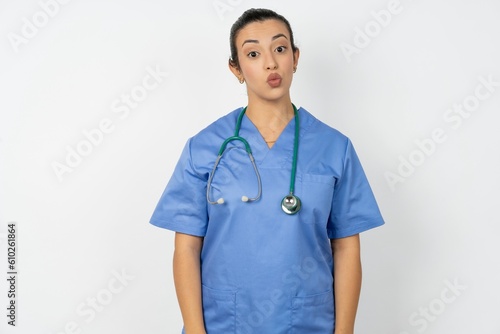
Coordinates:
(272,67)
(271,62)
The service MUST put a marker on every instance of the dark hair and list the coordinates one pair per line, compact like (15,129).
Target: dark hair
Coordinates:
(250,16)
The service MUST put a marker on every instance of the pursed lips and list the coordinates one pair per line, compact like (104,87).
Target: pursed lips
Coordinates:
(274,79)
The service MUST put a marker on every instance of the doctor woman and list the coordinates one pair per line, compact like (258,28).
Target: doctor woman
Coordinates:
(267,204)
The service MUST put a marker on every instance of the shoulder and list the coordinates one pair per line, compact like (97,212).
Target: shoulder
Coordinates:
(325,150)
(201,149)
(320,133)
(218,130)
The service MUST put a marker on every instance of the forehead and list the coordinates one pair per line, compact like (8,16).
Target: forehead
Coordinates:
(262,31)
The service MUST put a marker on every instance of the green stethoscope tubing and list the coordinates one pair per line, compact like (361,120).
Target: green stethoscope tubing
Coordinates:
(290,204)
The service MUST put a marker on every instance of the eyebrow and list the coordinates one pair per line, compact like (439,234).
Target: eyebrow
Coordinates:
(256,41)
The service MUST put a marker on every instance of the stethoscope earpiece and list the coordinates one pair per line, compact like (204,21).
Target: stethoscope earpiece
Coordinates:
(291,204)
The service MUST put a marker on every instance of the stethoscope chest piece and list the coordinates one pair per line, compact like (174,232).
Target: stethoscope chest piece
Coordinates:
(290,204)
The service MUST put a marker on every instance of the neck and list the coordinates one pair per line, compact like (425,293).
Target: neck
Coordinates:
(266,113)
(270,118)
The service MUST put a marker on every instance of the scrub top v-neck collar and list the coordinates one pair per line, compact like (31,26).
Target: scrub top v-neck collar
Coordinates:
(280,153)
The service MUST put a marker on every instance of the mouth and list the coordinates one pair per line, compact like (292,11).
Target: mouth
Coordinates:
(274,80)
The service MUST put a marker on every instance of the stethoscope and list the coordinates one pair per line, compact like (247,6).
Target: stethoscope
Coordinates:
(290,204)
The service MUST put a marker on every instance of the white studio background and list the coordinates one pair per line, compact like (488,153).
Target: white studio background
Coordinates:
(414,83)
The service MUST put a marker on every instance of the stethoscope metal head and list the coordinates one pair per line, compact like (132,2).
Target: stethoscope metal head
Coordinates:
(291,204)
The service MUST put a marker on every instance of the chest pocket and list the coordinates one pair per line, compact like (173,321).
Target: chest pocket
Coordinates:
(316,194)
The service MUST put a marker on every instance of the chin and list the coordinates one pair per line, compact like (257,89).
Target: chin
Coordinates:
(275,93)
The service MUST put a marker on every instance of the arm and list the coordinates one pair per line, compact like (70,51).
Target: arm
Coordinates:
(347,286)
(187,279)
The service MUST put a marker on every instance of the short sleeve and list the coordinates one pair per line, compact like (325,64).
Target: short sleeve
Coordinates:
(183,205)
(354,208)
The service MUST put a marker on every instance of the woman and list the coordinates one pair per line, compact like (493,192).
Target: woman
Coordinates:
(261,262)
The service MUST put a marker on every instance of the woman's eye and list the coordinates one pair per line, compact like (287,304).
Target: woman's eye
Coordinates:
(281,49)
(252,54)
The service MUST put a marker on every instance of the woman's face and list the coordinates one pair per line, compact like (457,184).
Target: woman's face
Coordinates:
(266,60)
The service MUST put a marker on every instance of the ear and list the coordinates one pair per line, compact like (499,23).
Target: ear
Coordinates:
(296,56)
(236,71)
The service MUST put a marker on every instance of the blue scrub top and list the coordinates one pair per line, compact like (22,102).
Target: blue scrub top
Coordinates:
(264,271)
